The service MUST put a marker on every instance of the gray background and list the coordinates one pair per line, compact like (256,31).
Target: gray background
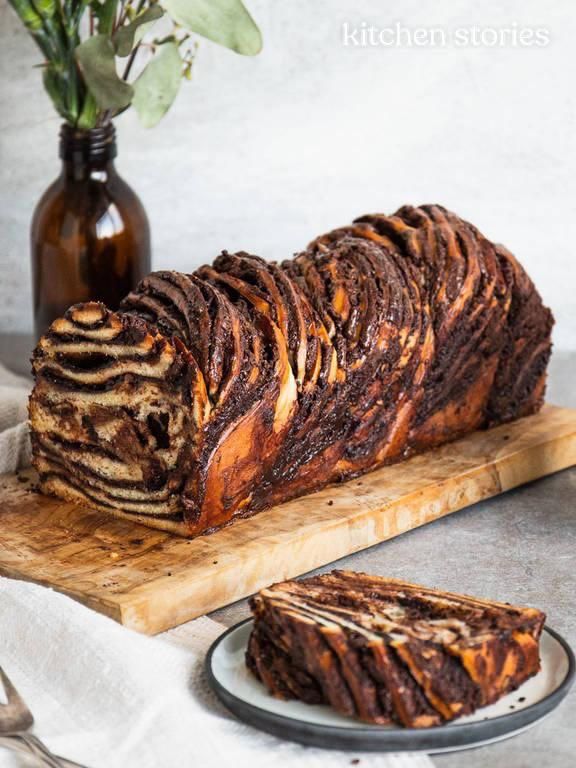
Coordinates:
(264,153)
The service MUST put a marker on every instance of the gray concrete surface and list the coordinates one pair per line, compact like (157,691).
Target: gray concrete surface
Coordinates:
(519,547)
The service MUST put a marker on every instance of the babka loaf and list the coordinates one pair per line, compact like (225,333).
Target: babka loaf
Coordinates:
(386,651)
(210,396)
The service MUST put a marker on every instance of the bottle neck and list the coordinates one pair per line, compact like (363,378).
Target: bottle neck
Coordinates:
(88,154)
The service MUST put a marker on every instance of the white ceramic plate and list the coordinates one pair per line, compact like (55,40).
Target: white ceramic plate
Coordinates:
(320,726)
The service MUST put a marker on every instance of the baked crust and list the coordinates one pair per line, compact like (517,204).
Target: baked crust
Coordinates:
(208,397)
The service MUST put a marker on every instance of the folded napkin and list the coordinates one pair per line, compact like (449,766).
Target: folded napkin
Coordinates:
(14,438)
(108,697)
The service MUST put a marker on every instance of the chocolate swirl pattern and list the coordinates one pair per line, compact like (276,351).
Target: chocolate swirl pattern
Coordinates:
(210,396)
(384,650)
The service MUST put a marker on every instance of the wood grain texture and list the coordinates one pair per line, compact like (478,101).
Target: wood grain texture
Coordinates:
(150,580)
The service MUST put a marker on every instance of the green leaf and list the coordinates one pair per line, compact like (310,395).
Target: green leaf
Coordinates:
(129,35)
(95,57)
(226,22)
(158,85)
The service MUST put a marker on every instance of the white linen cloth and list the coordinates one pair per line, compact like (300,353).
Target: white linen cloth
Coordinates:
(108,697)
(14,441)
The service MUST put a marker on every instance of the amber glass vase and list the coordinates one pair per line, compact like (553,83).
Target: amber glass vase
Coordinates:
(90,236)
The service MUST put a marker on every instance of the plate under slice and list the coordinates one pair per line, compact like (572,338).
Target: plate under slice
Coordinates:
(320,726)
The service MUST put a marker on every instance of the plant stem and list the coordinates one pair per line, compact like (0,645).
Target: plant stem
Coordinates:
(69,13)
(33,23)
(130,62)
(134,54)
(53,29)
(121,16)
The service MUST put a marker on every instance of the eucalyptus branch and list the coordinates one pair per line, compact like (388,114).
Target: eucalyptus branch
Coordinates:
(80,71)
(106,116)
(126,5)
(122,15)
(130,62)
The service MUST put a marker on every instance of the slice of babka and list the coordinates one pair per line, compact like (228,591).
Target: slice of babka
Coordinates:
(387,651)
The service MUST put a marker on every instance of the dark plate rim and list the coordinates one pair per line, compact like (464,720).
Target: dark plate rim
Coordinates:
(373,738)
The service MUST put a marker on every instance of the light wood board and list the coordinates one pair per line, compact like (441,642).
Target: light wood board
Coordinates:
(150,580)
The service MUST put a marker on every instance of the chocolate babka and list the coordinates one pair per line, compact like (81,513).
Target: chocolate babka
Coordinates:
(386,651)
(210,396)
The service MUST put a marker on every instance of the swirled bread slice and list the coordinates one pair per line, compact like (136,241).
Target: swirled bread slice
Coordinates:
(385,650)
(116,414)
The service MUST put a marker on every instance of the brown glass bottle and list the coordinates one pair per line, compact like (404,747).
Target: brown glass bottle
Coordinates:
(90,235)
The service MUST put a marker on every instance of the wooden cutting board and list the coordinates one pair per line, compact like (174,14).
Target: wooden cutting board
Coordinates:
(151,581)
